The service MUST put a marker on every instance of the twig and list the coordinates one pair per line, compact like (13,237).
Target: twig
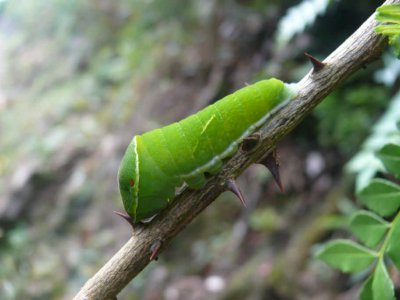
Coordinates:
(356,52)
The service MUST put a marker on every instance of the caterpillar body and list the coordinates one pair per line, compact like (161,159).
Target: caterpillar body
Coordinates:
(160,160)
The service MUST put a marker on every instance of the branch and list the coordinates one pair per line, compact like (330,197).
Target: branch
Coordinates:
(362,47)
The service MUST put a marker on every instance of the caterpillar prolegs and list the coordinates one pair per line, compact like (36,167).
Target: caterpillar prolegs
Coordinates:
(158,161)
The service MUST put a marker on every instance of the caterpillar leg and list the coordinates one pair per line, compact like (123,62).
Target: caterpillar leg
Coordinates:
(233,148)
(214,169)
(196,182)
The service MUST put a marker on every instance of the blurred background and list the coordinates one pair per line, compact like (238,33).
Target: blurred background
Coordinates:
(78,79)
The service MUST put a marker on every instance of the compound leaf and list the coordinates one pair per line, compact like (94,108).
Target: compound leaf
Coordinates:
(389,17)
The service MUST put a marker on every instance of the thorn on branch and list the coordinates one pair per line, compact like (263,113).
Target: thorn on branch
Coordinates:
(317,65)
(126,217)
(155,249)
(231,185)
(272,164)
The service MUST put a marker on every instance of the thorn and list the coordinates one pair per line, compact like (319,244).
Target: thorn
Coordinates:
(154,249)
(272,165)
(250,142)
(317,65)
(231,185)
(126,217)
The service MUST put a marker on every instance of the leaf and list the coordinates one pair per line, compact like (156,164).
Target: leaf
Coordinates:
(382,285)
(347,256)
(388,13)
(368,227)
(389,17)
(393,246)
(381,196)
(390,157)
(366,289)
(388,30)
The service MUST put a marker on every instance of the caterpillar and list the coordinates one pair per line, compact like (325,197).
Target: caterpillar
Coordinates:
(158,161)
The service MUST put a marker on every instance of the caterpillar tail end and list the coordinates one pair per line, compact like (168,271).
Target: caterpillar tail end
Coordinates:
(231,185)
(272,164)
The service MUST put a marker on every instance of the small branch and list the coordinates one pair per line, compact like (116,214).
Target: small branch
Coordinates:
(356,52)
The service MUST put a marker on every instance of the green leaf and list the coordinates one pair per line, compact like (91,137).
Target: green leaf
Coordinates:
(366,289)
(390,157)
(346,256)
(393,246)
(381,196)
(368,227)
(389,17)
(388,29)
(382,285)
(388,13)
(378,286)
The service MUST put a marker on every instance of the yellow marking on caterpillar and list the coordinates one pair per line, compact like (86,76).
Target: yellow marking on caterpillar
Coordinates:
(207,124)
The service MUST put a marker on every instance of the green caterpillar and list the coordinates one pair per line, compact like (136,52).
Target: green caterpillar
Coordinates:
(160,160)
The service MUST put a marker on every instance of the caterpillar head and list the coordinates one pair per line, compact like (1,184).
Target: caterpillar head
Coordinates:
(128,179)
(142,199)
